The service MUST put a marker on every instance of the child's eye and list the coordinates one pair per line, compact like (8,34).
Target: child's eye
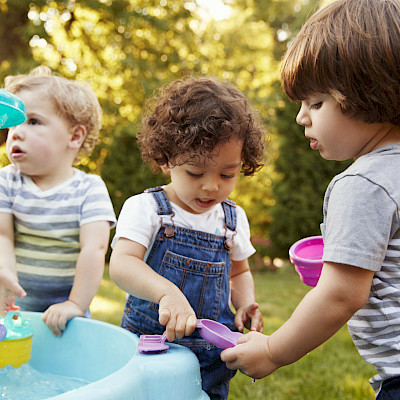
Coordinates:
(316,106)
(194,175)
(227,176)
(33,121)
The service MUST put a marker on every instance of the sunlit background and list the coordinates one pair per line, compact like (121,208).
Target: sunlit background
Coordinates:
(126,49)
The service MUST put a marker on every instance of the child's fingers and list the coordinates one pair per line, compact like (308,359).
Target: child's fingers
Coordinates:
(163,316)
(11,286)
(19,291)
(252,309)
(190,325)
(257,323)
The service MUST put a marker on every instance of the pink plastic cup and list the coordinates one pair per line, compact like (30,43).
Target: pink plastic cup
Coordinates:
(306,255)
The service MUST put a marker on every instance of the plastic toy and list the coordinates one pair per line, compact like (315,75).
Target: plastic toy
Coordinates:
(3,332)
(152,343)
(217,334)
(16,345)
(306,255)
(12,110)
(106,356)
(213,332)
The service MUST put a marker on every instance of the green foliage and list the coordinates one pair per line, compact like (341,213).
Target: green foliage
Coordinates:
(123,171)
(127,49)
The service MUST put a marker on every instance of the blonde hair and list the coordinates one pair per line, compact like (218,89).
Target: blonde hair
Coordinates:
(74,101)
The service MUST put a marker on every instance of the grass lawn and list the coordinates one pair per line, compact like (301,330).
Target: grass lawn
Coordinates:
(333,371)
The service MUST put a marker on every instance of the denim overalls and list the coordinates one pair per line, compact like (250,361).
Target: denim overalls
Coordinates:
(199,264)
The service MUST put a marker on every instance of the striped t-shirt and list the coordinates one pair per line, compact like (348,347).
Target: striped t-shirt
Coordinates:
(362,228)
(46,229)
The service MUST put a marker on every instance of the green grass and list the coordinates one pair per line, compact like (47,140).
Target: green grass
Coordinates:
(333,371)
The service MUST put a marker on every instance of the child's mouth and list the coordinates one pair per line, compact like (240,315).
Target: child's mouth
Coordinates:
(205,203)
(313,143)
(16,152)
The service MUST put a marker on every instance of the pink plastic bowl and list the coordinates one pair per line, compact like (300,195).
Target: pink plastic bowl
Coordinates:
(306,255)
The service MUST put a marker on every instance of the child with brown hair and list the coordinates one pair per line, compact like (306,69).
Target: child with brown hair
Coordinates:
(181,251)
(54,219)
(344,68)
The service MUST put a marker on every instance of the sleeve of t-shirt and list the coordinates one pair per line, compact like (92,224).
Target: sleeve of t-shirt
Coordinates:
(242,248)
(358,223)
(97,204)
(138,220)
(6,182)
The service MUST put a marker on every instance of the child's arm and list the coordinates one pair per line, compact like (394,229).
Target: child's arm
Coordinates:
(9,287)
(243,297)
(132,274)
(341,291)
(89,272)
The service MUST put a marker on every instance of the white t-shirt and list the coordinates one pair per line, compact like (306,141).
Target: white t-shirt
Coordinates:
(139,222)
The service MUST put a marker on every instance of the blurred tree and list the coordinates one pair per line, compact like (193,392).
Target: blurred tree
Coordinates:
(302,175)
(126,49)
(124,171)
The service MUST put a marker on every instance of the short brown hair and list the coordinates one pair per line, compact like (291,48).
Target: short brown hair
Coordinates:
(189,118)
(349,49)
(75,101)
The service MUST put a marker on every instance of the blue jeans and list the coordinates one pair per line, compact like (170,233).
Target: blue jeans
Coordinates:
(199,264)
(390,389)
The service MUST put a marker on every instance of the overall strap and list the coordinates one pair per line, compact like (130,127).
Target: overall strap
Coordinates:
(163,204)
(163,209)
(229,208)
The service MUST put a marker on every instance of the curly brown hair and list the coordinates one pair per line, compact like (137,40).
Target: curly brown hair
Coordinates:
(188,118)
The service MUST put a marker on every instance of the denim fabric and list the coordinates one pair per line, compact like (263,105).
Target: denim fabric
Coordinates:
(390,389)
(200,265)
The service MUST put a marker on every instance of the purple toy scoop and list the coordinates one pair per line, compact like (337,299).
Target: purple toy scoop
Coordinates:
(213,332)
(152,343)
(217,334)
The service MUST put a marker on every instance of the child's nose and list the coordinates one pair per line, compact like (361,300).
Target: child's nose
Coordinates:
(303,117)
(16,133)
(210,184)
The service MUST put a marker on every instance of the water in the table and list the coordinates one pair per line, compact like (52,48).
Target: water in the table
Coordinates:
(27,383)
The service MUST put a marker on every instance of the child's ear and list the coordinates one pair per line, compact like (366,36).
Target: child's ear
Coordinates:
(166,169)
(78,135)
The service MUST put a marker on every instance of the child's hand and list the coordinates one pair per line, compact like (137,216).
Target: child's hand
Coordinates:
(251,356)
(57,316)
(9,289)
(250,317)
(176,313)
(6,301)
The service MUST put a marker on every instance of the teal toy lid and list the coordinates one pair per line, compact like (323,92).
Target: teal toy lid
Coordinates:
(16,326)
(12,110)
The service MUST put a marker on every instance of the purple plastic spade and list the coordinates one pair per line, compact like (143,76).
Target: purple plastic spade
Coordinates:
(213,332)
(152,343)
(217,334)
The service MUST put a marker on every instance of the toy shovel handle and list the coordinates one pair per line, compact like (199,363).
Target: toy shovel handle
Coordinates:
(217,334)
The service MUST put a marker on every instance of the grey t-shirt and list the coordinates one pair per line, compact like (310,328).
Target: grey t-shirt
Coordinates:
(362,228)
